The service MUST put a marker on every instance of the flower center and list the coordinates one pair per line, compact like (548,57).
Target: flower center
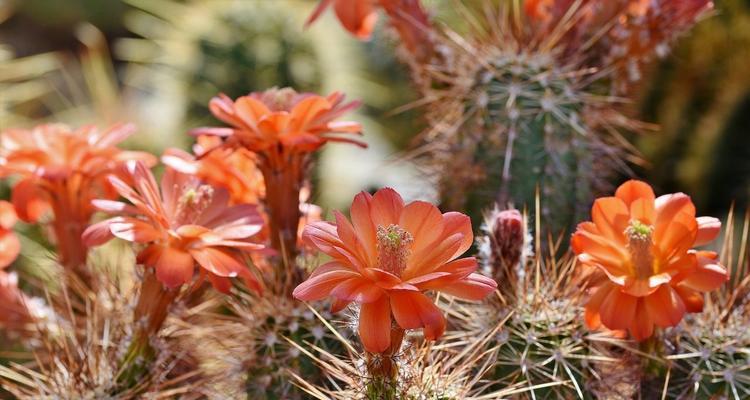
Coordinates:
(393,248)
(193,202)
(279,99)
(639,244)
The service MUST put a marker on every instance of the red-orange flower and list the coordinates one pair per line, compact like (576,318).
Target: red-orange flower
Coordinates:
(282,128)
(386,257)
(9,244)
(282,121)
(235,171)
(186,224)
(62,170)
(643,246)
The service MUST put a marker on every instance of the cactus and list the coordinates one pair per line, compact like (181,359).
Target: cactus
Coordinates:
(540,341)
(424,371)
(78,346)
(253,349)
(710,357)
(200,48)
(524,101)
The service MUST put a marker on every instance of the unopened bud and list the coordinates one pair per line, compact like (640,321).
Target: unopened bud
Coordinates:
(508,236)
(504,249)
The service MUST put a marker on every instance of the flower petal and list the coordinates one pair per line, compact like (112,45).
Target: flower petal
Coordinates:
(668,210)
(633,190)
(677,237)
(362,222)
(10,247)
(220,283)
(611,217)
(386,207)
(592,316)
(375,325)
(618,310)
(98,234)
(665,306)
(432,258)
(319,286)
(473,287)
(425,223)
(133,230)
(357,289)
(708,229)
(114,207)
(349,238)
(455,222)
(643,210)
(414,310)
(329,267)
(707,276)
(8,215)
(358,17)
(338,305)
(218,261)
(693,299)
(29,201)
(174,267)
(323,236)
(600,251)
(643,325)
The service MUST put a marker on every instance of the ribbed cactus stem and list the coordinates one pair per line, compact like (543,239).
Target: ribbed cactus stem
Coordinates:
(527,139)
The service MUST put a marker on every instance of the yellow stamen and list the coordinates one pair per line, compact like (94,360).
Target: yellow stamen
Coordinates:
(393,248)
(640,246)
(193,202)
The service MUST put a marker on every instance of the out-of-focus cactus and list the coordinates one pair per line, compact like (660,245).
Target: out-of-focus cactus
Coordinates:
(530,136)
(77,347)
(196,49)
(254,350)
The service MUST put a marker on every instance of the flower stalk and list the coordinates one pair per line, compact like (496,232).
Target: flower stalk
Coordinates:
(283,185)
(150,313)
(383,368)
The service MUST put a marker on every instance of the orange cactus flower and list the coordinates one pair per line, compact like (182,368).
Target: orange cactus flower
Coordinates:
(643,246)
(386,257)
(235,171)
(62,170)
(282,128)
(278,122)
(186,224)
(9,244)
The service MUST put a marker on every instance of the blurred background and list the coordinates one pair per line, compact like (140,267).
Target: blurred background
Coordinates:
(158,62)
